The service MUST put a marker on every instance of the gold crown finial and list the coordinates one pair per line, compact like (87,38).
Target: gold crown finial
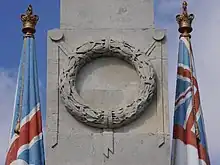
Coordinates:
(185,21)
(29,21)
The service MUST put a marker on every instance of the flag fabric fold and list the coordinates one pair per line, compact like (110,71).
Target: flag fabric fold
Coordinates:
(189,139)
(26,137)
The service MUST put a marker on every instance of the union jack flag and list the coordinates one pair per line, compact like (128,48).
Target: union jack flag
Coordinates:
(189,138)
(26,137)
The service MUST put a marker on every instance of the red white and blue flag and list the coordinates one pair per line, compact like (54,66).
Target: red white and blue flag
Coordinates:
(189,138)
(26,138)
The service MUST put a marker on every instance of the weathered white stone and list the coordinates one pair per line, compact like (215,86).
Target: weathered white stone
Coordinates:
(120,87)
(106,14)
(106,84)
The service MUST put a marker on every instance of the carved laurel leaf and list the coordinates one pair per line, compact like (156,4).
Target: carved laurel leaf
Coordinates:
(85,48)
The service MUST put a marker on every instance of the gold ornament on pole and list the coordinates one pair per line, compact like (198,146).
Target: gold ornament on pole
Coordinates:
(185,21)
(185,28)
(29,21)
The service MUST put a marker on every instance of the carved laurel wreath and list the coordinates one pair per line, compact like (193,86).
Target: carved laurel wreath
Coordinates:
(98,117)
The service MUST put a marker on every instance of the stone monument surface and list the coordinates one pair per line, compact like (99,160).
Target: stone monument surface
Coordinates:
(107,85)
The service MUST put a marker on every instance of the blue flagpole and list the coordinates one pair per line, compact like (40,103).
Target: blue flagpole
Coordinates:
(26,141)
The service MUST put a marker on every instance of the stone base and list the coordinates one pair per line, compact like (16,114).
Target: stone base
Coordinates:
(128,149)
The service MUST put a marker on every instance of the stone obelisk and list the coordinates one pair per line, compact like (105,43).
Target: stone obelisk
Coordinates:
(107,78)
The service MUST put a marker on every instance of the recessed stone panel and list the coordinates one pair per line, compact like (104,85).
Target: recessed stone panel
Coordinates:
(112,81)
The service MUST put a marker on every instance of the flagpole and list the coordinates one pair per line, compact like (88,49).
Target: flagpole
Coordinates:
(189,146)
(26,140)
(185,28)
(29,22)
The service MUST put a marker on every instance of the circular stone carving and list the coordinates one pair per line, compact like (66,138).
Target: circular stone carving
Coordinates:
(56,35)
(98,117)
(159,35)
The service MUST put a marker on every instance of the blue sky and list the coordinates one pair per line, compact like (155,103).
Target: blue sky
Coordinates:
(11,46)
(11,34)
(205,45)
